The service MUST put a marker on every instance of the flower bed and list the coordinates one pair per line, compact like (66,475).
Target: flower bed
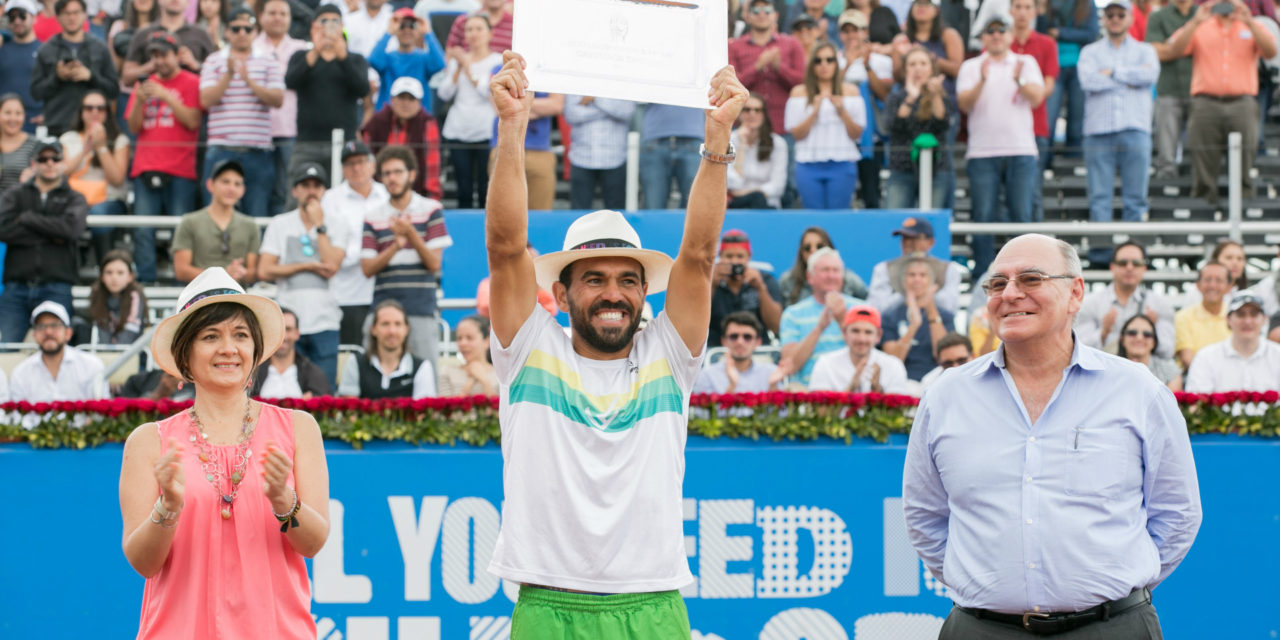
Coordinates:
(474,420)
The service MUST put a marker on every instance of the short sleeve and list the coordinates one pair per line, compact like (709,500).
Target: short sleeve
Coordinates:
(184,236)
(369,242)
(969,75)
(273,241)
(508,361)
(255,238)
(274,75)
(882,66)
(684,365)
(1031,71)
(209,75)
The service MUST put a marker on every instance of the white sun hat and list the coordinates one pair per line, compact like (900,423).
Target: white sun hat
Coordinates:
(212,286)
(603,234)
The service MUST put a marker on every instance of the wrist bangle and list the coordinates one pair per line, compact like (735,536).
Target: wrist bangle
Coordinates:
(289,518)
(170,517)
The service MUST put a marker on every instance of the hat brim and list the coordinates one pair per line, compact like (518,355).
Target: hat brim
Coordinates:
(657,265)
(270,321)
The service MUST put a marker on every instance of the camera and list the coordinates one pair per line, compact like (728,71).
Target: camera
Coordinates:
(737,270)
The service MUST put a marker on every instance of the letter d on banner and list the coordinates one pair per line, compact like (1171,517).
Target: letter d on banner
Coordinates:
(833,548)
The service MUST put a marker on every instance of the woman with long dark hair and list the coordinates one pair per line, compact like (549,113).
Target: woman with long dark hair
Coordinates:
(918,107)
(96,161)
(759,175)
(826,116)
(795,283)
(223,502)
(471,373)
(1138,342)
(117,303)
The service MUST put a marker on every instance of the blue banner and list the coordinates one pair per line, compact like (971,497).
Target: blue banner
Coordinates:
(787,541)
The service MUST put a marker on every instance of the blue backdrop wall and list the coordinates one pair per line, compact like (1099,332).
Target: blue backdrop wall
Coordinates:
(787,541)
(862,237)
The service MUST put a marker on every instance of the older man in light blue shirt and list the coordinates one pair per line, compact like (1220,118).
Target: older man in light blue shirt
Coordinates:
(1117,74)
(1049,485)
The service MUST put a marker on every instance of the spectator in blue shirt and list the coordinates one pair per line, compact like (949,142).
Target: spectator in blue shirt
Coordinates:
(18,56)
(913,326)
(417,55)
(598,153)
(1117,75)
(539,159)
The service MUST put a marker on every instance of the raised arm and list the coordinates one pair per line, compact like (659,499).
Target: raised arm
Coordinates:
(512,285)
(689,291)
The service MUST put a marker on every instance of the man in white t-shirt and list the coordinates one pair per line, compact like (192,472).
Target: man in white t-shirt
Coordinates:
(301,250)
(348,203)
(999,89)
(594,425)
(1246,361)
(860,367)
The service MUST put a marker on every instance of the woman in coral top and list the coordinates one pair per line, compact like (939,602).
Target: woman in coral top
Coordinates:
(222,502)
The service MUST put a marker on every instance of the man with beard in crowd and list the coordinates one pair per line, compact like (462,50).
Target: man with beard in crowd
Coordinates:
(600,416)
(59,372)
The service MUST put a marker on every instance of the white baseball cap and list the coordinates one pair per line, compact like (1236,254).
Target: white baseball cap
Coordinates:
(405,84)
(51,307)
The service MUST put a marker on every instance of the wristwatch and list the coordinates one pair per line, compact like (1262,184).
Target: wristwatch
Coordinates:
(721,158)
(322,229)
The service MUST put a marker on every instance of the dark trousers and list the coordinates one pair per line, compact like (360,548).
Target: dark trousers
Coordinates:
(351,331)
(869,180)
(611,182)
(1139,623)
(470,162)
(1211,121)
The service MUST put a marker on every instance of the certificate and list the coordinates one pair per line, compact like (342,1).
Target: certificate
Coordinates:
(658,51)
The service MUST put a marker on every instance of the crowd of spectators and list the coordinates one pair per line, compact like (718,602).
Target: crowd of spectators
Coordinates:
(220,113)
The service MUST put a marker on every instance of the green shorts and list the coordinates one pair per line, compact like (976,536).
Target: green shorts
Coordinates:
(543,614)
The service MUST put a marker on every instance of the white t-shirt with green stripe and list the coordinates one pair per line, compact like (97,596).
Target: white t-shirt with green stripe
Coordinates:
(593,461)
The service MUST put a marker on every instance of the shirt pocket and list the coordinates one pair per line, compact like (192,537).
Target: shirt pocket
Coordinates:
(1104,461)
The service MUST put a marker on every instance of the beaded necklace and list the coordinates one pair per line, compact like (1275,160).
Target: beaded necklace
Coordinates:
(212,470)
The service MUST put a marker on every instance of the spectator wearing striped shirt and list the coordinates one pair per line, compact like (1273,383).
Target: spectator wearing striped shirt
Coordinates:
(239,87)
(403,250)
(598,154)
(1117,74)
(499,18)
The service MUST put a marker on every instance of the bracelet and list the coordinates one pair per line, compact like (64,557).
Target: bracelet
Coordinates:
(101,149)
(289,518)
(165,516)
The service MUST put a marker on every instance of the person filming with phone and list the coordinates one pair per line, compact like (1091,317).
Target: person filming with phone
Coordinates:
(742,287)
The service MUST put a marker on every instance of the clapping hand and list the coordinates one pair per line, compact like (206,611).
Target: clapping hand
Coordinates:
(171,477)
(276,467)
(934,85)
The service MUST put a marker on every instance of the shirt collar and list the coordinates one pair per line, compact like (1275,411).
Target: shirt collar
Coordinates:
(1082,357)
(406,365)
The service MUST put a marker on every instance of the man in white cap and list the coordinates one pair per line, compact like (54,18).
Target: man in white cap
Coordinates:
(1246,361)
(404,121)
(59,372)
(594,425)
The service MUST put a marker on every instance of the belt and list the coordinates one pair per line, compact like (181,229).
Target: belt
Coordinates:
(1221,98)
(1047,624)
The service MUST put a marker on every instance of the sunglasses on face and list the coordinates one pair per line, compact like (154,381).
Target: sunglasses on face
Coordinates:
(995,30)
(759,11)
(1029,281)
(48,159)
(824,60)
(1129,263)
(1133,333)
(1115,15)
(813,247)
(732,337)
(94,107)
(753,109)
(226,242)
(240,28)
(18,14)
(947,364)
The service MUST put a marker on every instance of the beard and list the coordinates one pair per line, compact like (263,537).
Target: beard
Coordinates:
(51,351)
(611,339)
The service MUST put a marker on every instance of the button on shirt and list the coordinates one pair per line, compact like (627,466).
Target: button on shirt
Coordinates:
(1120,100)
(77,377)
(1095,499)
(1219,367)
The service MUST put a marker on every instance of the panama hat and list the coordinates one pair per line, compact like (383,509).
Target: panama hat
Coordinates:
(212,286)
(603,234)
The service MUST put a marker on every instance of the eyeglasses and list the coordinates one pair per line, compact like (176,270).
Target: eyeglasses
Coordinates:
(947,364)
(995,30)
(226,242)
(759,11)
(749,337)
(1129,263)
(387,173)
(753,109)
(1028,281)
(48,326)
(813,247)
(94,107)
(824,60)
(240,28)
(48,159)
(308,249)
(1133,333)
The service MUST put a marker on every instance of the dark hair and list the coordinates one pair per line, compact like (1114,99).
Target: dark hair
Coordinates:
(482,323)
(811,75)
(935,25)
(1212,263)
(261,5)
(206,317)
(799,269)
(111,126)
(481,16)
(1155,338)
(924,106)
(132,17)
(397,152)
(1241,283)
(98,294)
(953,339)
(286,311)
(388,303)
(872,4)
(62,4)
(1130,243)
(744,318)
(224,7)
(764,146)
(9,97)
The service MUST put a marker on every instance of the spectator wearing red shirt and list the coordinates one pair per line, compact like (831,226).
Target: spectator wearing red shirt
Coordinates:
(768,63)
(499,18)
(403,121)
(164,112)
(1044,49)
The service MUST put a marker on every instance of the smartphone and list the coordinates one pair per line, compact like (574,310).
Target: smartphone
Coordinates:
(1224,8)
(333,27)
